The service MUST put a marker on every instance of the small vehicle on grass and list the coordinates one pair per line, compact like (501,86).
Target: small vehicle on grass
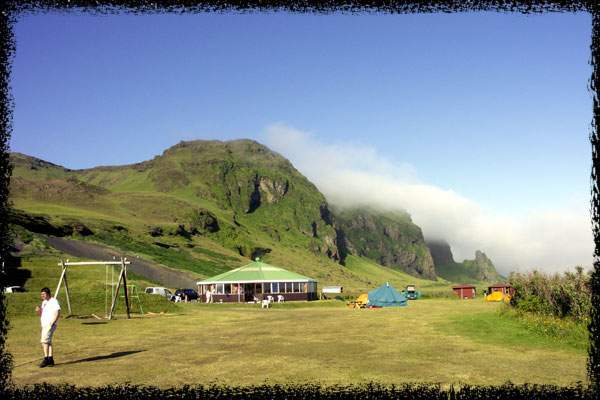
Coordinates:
(160,291)
(14,289)
(411,292)
(190,293)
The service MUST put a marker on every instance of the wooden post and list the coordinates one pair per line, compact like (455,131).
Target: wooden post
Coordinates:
(114,302)
(64,270)
(63,276)
(124,269)
(67,292)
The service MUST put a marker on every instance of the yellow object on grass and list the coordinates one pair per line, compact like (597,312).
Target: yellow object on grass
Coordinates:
(360,302)
(497,296)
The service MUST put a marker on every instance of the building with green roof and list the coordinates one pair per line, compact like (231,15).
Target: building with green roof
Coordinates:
(255,282)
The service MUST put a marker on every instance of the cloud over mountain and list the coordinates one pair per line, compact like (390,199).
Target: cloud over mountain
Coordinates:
(352,174)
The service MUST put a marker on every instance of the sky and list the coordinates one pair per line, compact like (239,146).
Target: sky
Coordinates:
(477,124)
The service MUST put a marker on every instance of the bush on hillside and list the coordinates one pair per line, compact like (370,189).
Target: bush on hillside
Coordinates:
(566,295)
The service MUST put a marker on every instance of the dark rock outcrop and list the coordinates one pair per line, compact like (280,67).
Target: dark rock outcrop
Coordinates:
(477,270)
(202,221)
(80,229)
(389,239)
(441,252)
(484,268)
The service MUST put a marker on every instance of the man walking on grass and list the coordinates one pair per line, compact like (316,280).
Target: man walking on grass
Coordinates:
(49,312)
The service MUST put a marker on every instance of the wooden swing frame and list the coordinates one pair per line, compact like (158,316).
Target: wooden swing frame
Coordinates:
(122,278)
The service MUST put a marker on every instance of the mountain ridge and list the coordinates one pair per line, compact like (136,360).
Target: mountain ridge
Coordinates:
(237,198)
(480,269)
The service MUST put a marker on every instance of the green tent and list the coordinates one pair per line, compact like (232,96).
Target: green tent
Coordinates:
(387,296)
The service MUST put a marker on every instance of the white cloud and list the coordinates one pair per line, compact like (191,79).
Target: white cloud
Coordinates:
(352,174)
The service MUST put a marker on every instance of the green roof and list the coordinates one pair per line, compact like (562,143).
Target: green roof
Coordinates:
(257,271)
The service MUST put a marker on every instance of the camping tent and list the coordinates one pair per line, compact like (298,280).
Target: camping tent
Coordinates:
(363,298)
(387,296)
(497,296)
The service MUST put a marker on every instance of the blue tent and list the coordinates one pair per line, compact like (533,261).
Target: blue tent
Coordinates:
(387,296)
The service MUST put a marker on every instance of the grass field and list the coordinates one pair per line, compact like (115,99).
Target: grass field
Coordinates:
(432,340)
(442,340)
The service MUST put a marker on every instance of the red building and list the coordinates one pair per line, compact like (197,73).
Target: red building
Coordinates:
(465,291)
(501,287)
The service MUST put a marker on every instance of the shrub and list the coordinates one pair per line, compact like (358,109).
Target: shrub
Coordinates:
(566,295)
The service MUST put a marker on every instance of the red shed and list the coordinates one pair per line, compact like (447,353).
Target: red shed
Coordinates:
(501,287)
(465,291)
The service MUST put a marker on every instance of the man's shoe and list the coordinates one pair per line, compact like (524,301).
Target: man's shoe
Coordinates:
(50,361)
(44,363)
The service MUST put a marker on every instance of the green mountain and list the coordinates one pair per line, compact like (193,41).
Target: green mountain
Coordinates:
(209,206)
(388,238)
(469,271)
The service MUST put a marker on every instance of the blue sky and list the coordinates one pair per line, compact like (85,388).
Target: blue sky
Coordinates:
(476,123)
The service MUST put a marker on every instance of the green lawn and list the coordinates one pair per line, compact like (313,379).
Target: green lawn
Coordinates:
(441,340)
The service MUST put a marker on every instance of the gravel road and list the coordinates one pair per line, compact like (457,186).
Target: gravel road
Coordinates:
(166,276)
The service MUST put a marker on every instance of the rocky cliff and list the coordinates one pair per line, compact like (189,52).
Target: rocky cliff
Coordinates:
(479,269)
(390,239)
(440,252)
(482,267)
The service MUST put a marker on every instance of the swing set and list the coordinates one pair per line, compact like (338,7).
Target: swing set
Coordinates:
(114,293)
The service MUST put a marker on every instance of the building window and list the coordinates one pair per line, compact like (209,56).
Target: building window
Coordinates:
(258,288)
(296,287)
(288,287)
(275,287)
(237,288)
(220,288)
(267,287)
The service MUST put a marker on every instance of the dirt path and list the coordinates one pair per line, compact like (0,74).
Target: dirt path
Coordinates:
(166,276)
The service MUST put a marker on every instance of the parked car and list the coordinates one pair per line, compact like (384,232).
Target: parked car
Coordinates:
(14,289)
(160,291)
(190,293)
(411,293)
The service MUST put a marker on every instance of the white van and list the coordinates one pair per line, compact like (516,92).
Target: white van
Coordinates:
(161,291)
(14,289)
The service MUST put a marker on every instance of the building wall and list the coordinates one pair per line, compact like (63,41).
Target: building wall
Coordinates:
(504,290)
(233,298)
(466,292)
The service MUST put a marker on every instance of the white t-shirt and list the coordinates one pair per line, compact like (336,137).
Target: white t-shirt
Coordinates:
(49,307)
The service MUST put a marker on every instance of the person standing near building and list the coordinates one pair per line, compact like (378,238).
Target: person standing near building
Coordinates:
(49,314)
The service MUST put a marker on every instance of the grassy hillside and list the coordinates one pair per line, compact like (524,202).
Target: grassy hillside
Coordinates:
(398,279)
(465,272)
(206,207)
(456,272)
(91,288)
(481,269)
